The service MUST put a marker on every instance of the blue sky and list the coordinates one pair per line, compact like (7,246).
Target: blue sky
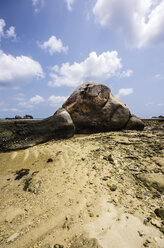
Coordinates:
(49,47)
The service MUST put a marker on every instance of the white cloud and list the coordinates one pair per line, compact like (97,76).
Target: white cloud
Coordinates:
(57,100)
(10,109)
(13,70)
(36,99)
(35,2)
(94,68)
(149,104)
(159,76)
(25,105)
(10,33)
(69,4)
(160,104)
(38,5)
(19,97)
(2,25)
(140,21)
(124,92)
(127,73)
(154,104)
(53,45)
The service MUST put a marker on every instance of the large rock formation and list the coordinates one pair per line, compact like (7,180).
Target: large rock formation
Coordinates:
(28,117)
(93,108)
(18,117)
(22,134)
(134,123)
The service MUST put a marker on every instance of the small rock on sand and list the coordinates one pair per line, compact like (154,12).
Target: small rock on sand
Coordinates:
(14,236)
(84,242)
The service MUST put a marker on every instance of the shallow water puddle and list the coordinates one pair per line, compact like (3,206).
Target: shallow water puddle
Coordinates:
(121,230)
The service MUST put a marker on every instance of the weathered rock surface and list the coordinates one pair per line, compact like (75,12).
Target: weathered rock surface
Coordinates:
(93,108)
(153,180)
(84,242)
(28,117)
(21,134)
(134,123)
(159,212)
(18,117)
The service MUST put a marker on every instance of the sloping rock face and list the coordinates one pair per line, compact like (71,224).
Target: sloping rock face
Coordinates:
(22,134)
(134,123)
(93,108)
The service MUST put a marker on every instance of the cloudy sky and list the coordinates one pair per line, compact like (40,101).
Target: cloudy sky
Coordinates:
(49,47)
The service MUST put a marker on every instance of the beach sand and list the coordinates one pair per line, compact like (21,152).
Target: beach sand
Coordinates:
(97,190)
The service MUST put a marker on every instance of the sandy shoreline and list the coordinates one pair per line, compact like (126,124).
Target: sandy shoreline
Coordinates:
(85,188)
